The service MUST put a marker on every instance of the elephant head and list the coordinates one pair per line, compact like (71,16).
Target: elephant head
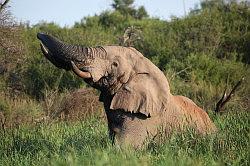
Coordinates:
(135,92)
(117,71)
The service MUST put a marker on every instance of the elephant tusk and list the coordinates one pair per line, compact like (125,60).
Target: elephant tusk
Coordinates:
(78,72)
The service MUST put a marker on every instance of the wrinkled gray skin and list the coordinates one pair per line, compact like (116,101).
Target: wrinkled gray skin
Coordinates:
(135,93)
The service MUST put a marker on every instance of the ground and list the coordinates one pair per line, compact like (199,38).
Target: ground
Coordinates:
(86,143)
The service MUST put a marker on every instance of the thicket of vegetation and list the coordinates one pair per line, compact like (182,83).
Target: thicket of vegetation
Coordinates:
(201,54)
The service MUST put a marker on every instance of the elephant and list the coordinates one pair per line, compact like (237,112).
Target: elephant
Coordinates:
(135,92)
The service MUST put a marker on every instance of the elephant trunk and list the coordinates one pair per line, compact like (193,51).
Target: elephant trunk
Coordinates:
(65,55)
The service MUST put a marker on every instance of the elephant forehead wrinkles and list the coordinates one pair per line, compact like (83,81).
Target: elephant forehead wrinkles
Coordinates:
(99,52)
(88,55)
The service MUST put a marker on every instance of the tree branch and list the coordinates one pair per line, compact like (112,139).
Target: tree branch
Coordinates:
(3,4)
(225,98)
(179,72)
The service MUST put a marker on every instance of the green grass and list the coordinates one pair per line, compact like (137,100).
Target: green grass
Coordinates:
(87,143)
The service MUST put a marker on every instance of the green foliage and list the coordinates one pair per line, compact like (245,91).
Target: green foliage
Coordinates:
(111,19)
(125,7)
(209,45)
(206,48)
(141,13)
(87,143)
(4,106)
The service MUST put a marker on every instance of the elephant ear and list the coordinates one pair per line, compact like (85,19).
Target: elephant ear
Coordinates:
(137,96)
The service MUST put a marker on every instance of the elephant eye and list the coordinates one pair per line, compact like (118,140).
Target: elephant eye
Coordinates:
(115,64)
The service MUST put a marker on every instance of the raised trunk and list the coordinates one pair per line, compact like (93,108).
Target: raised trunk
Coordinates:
(61,54)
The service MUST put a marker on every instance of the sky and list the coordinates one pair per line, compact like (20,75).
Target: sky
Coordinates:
(67,12)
